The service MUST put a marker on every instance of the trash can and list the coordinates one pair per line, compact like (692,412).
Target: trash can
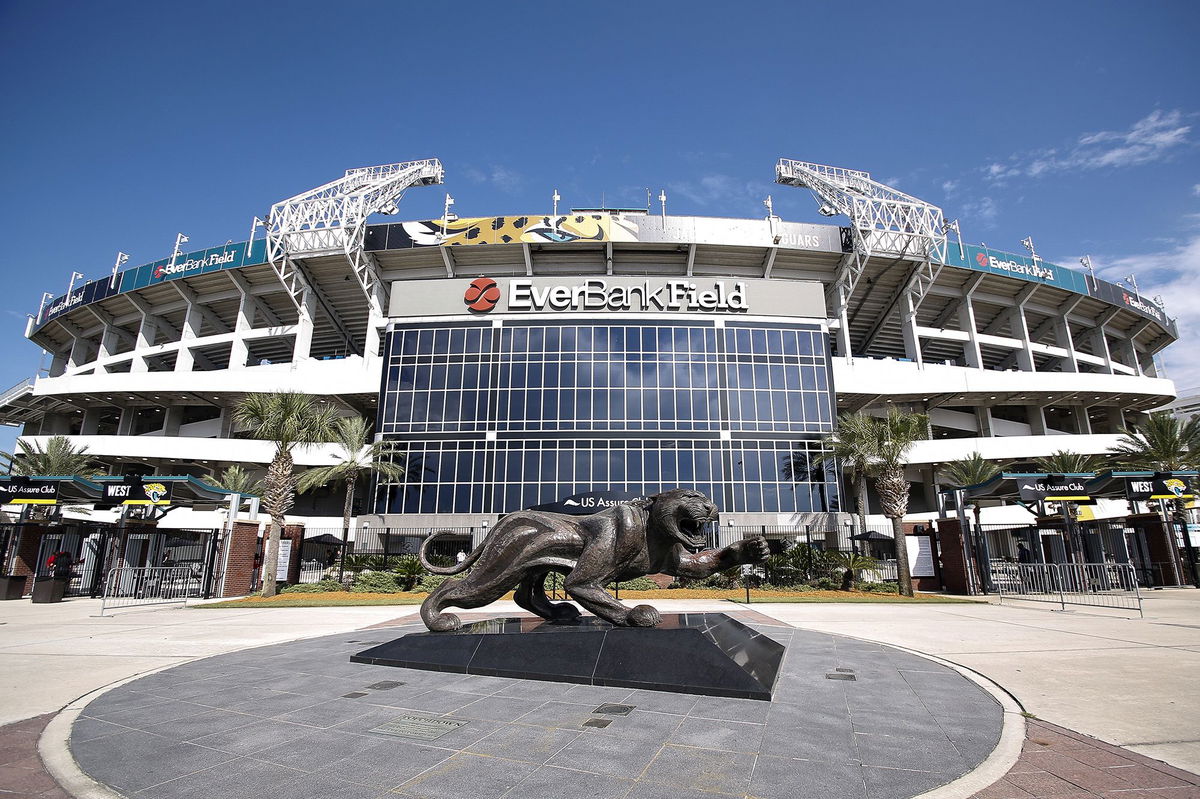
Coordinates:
(12,587)
(50,589)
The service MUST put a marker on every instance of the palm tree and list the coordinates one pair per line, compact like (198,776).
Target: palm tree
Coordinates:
(893,436)
(854,564)
(852,445)
(291,420)
(1164,443)
(1066,462)
(971,471)
(236,479)
(60,458)
(356,460)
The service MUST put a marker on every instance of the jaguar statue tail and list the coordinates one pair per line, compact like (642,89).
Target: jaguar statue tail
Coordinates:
(456,568)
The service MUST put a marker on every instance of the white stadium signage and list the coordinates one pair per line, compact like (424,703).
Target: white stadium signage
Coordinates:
(483,295)
(597,295)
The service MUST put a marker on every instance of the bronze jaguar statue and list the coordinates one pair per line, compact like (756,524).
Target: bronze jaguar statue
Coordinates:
(661,534)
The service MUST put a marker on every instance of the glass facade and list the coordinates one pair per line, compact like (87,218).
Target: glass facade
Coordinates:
(496,417)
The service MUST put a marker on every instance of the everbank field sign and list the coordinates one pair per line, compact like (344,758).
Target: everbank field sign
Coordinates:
(597,295)
(700,296)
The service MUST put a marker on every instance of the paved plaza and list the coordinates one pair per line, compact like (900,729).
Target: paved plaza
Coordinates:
(242,701)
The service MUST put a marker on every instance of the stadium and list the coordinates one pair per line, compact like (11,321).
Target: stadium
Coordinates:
(569,360)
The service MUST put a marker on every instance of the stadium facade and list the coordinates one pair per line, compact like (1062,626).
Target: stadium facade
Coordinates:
(583,357)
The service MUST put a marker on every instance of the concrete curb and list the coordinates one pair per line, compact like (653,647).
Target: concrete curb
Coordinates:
(54,749)
(1012,733)
(1003,757)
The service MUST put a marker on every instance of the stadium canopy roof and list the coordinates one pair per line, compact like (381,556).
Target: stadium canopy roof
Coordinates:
(187,490)
(1107,484)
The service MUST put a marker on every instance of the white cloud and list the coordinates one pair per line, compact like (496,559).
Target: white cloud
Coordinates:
(949,187)
(983,211)
(720,190)
(1196,190)
(1152,138)
(1171,274)
(502,178)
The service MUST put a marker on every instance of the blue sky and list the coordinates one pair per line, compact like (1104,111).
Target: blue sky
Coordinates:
(1071,122)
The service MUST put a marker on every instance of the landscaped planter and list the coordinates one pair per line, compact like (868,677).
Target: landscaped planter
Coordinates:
(50,589)
(12,587)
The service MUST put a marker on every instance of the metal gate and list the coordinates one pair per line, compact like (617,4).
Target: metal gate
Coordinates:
(1098,585)
(84,553)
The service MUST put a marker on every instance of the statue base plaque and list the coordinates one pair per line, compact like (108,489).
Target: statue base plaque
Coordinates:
(694,653)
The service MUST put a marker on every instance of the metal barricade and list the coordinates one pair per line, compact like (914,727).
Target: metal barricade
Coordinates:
(151,585)
(1098,585)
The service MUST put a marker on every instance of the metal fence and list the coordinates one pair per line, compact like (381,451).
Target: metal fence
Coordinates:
(131,586)
(1100,585)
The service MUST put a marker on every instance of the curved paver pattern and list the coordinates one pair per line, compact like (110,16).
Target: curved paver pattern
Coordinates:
(277,720)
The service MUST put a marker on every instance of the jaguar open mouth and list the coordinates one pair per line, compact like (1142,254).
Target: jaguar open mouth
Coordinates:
(692,532)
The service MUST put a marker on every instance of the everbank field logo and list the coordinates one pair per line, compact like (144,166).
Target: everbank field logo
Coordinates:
(1036,270)
(193,264)
(1134,301)
(595,294)
(482,295)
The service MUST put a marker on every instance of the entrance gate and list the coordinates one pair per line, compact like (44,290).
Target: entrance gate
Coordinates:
(84,553)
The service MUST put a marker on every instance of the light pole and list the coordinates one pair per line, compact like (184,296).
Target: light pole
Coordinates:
(121,259)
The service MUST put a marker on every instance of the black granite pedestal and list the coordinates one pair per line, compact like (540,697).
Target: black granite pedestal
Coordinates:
(695,653)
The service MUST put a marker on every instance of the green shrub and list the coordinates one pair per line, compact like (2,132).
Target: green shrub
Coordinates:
(313,588)
(302,588)
(636,584)
(408,571)
(375,583)
(429,582)
(825,584)
(879,588)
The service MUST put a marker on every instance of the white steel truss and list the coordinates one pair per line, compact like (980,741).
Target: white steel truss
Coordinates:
(333,218)
(883,221)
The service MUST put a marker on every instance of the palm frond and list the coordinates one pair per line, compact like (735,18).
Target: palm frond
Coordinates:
(971,470)
(1066,462)
(1162,443)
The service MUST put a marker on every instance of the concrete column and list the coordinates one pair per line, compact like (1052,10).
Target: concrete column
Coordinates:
(107,342)
(1037,420)
(1100,348)
(1130,351)
(908,327)
(172,420)
(983,416)
(1020,331)
(239,353)
(1063,338)
(1082,422)
(147,333)
(79,352)
(843,335)
(185,361)
(58,363)
(929,484)
(304,328)
(91,421)
(966,320)
(125,425)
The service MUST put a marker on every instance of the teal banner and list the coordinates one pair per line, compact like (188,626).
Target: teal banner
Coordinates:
(998,262)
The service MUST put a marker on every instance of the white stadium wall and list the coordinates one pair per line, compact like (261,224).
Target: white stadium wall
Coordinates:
(1005,354)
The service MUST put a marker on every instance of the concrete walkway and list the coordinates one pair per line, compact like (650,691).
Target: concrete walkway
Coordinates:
(1128,681)
(1124,680)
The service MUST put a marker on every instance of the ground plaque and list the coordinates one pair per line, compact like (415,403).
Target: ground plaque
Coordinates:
(421,728)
